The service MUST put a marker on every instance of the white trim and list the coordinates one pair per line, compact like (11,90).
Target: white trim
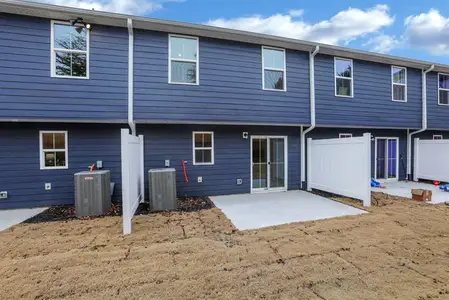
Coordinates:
(53,51)
(386,158)
(441,89)
(400,84)
(197,61)
(344,135)
(131,122)
(203,148)
(268,189)
(341,77)
(42,150)
(437,137)
(284,70)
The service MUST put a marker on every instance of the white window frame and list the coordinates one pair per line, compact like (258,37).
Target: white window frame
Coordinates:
(284,70)
(437,137)
(203,148)
(400,84)
(53,52)
(42,150)
(441,89)
(197,61)
(344,135)
(341,77)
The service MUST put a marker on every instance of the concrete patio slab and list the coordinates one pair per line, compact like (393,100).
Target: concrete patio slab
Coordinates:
(252,211)
(11,217)
(404,189)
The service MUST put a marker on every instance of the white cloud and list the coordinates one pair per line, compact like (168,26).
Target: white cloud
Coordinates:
(344,27)
(134,7)
(428,31)
(296,12)
(383,43)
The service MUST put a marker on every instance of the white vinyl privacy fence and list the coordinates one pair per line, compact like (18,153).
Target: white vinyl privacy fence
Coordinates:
(431,160)
(133,188)
(341,166)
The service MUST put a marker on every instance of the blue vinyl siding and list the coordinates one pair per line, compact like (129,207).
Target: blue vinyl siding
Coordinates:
(328,133)
(20,173)
(438,115)
(229,90)
(372,104)
(232,156)
(27,90)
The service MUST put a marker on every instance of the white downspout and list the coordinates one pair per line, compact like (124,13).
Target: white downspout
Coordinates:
(312,113)
(424,121)
(131,122)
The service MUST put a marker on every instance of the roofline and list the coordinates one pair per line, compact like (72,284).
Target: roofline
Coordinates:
(120,20)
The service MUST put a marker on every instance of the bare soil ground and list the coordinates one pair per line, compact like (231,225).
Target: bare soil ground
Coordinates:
(398,251)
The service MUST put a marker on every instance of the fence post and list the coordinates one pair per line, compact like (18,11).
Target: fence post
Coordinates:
(125,182)
(142,170)
(367,141)
(416,160)
(309,164)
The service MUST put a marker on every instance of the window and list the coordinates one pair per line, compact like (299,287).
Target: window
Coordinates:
(69,51)
(437,137)
(443,89)
(203,148)
(399,83)
(183,60)
(273,69)
(53,149)
(345,135)
(343,77)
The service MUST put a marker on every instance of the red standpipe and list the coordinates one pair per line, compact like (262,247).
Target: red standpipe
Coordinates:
(184,166)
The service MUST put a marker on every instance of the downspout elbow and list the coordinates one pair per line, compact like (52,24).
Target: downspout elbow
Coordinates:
(131,123)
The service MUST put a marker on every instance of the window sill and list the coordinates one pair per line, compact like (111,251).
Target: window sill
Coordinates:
(184,83)
(54,168)
(70,77)
(275,90)
(341,96)
(404,101)
(442,104)
(203,164)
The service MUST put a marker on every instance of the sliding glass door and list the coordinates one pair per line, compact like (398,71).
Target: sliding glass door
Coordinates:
(387,158)
(268,163)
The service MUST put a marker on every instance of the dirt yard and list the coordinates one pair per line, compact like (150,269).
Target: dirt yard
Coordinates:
(398,251)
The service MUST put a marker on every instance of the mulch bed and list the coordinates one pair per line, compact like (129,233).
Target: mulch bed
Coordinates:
(68,213)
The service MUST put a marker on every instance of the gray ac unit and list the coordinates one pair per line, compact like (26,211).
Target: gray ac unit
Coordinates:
(92,193)
(162,183)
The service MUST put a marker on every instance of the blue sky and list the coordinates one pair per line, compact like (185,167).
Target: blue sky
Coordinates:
(415,29)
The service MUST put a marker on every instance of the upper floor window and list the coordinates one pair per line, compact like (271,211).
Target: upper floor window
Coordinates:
(203,148)
(343,77)
(399,82)
(273,69)
(69,50)
(53,149)
(183,60)
(443,89)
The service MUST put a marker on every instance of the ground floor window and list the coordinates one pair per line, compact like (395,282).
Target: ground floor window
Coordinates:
(345,135)
(437,137)
(53,149)
(203,148)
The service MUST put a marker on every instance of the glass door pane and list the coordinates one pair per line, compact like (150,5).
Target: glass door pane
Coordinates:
(392,158)
(260,162)
(380,159)
(277,163)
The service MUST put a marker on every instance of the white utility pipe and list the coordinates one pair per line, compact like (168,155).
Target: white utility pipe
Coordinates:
(312,113)
(424,120)
(131,122)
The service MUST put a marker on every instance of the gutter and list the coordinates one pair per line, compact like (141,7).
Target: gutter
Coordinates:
(424,121)
(131,122)
(312,114)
